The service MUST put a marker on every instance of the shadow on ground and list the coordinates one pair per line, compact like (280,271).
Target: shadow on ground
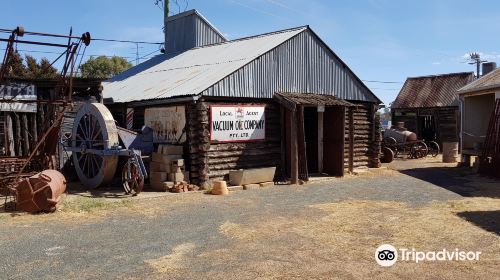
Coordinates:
(487,220)
(457,180)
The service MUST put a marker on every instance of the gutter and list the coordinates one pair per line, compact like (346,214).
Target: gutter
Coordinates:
(166,101)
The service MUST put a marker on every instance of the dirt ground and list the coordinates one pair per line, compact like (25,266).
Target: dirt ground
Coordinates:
(323,230)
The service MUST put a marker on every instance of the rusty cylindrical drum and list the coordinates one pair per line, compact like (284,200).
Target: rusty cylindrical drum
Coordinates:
(40,192)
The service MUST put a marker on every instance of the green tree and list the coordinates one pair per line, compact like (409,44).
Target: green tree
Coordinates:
(30,68)
(103,67)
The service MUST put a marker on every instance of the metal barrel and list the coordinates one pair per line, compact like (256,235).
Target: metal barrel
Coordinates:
(40,192)
(450,152)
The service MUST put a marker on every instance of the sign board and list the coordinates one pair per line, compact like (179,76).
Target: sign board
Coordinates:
(234,123)
(168,124)
(18,92)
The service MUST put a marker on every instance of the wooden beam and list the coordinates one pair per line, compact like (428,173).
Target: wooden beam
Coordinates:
(351,139)
(25,134)
(294,154)
(320,142)
(10,136)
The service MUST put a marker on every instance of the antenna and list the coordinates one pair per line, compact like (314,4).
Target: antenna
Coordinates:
(475,58)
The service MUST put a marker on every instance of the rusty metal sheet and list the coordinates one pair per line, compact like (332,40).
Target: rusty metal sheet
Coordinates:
(432,91)
(168,124)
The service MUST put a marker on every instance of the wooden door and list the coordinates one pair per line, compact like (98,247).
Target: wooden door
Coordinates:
(333,140)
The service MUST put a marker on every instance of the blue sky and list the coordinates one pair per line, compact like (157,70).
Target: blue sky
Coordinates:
(381,40)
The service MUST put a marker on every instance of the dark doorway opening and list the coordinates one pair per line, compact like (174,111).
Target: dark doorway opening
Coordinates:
(427,127)
(334,140)
(311,138)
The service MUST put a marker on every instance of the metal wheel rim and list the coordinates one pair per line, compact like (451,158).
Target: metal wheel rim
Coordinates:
(133,183)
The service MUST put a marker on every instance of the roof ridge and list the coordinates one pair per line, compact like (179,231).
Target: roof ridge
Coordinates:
(254,36)
(441,75)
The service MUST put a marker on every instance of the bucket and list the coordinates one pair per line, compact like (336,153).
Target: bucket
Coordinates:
(450,152)
(220,188)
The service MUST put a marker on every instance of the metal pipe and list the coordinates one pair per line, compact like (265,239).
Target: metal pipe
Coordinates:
(34,43)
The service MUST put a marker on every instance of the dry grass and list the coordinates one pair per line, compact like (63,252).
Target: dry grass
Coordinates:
(338,240)
(172,263)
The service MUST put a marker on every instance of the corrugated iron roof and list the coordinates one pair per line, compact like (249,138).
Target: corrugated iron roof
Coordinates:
(193,71)
(489,81)
(290,100)
(432,91)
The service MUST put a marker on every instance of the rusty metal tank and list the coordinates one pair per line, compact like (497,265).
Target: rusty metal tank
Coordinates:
(401,136)
(40,192)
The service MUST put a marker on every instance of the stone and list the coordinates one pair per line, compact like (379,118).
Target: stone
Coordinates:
(266,184)
(251,176)
(171,149)
(158,167)
(176,177)
(251,186)
(235,188)
(165,159)
(158,176)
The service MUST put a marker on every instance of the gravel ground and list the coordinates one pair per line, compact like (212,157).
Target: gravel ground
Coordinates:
(135,241)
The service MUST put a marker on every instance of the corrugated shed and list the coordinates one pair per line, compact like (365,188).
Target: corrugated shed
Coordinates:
(432,91)
(302,64)
(193,71)
(489,81)
(188,30)
(293,60)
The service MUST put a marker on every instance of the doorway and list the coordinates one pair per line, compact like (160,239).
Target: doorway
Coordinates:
(334,140)
(427,127)
(311,138)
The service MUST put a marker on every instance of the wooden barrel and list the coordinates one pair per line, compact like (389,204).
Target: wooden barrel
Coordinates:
(450,152)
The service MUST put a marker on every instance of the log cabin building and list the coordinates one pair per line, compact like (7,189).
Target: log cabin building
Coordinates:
(429,106)
(281,99)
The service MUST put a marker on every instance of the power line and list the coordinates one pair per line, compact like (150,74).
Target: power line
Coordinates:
(382,82)
(49,52)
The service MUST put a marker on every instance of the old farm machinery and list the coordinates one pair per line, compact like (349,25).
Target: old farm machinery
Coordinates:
(22,176)
(399,142)
(97,144)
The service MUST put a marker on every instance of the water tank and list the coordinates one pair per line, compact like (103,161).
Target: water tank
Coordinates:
(488,67)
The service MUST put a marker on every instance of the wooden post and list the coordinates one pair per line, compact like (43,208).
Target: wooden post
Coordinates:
(17,140)
(10,136)
(320,141)
(351,139)
(25,134)
(294,155)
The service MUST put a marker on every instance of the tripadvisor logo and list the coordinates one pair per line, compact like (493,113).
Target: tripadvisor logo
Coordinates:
(387,255)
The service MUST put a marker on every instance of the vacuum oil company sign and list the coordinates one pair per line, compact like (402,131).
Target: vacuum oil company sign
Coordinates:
(233,123)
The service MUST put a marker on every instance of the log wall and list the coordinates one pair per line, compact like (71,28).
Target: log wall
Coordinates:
(366,137)
(213,161)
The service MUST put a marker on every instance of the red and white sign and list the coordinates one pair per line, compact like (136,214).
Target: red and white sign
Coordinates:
(233,123)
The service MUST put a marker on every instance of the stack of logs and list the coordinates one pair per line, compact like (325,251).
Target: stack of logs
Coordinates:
(168,171)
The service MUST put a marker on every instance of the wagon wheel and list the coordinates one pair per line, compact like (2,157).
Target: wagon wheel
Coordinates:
(433,148)
(94,129)
(418,150)
(133,181)
(388,155)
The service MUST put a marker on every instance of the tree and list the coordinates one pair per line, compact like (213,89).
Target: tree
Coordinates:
(40,70)
(103,67)
(29,68)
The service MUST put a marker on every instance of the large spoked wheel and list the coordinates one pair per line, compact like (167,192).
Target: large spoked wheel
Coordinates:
(94,129)
(418,150)
(433,148)
(133,181)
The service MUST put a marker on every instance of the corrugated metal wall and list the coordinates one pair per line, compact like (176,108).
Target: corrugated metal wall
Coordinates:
(188,32)
(302,64)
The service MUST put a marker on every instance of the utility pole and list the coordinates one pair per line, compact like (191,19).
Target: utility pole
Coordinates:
(475,58)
